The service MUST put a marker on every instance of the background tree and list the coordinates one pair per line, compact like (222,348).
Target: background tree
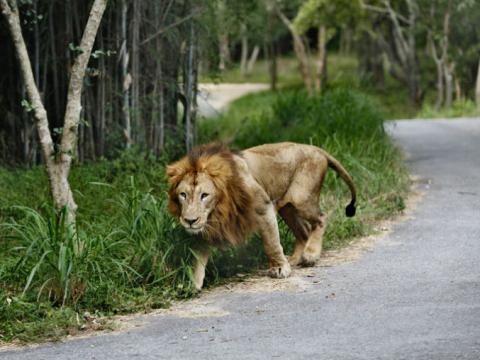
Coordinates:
(327,17)
(57,159)
(399,41)
(135,80)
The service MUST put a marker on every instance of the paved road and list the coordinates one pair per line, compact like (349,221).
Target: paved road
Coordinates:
(416,295)
(213,98)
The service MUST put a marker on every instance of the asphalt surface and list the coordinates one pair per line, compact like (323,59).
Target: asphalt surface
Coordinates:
(416,295)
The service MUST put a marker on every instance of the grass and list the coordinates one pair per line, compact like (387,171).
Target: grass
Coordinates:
(459,108)
(127,254)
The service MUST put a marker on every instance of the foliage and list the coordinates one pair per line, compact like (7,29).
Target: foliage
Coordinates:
(313,13)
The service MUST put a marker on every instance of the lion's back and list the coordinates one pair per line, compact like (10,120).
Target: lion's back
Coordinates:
(274,165)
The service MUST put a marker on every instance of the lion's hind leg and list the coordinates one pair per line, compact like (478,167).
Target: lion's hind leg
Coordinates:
(303,196)
(313,249)
(300,229)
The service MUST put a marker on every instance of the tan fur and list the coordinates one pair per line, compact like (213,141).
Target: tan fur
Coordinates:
(226,196)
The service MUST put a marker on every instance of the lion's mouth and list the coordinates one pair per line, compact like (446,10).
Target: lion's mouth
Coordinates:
(194,230)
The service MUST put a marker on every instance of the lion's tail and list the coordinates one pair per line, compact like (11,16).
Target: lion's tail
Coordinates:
(335,165)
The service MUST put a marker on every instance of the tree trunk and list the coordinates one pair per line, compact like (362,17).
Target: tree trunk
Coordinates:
(136,116)
(458,89)
(190,93)
(448,73)
(253,59)
(440,87)
(271,52)
(126,78)
(477,86)
(322,57)
(224,52)
(439,63)
(244,51)
(300,52)
(58,164)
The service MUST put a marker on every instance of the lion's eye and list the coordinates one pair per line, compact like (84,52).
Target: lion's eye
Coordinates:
(183,195)
(204,196)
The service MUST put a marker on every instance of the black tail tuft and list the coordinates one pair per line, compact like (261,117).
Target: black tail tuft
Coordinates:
(350,210)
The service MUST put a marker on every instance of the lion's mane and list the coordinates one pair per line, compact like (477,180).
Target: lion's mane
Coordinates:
(231,220)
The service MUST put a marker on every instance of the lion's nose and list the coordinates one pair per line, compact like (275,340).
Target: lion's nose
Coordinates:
(190,221)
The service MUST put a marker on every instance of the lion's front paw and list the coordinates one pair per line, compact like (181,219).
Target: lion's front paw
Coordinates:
(280,271)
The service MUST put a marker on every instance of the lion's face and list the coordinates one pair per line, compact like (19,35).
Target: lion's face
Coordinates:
(197,197)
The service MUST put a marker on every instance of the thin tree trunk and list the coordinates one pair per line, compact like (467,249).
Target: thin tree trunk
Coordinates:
(126,78)
(477,86)
(253,59)
(224,52)
(101,106)
(300,51)
(322,57)
(55,76)
(440,76)
(272,53)
(448,73)
(244,51)
(190,92)
(440,87)
(135,69)
(458,89)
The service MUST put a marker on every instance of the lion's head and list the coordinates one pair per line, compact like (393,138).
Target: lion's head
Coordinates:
(208,196)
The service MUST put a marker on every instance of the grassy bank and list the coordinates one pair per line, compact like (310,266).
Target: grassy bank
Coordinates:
(127,254)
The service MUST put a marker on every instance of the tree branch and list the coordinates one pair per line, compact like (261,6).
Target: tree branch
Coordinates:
(382,10)
(168,27)
(72,112)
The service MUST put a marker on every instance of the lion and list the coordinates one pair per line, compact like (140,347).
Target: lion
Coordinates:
(225,196)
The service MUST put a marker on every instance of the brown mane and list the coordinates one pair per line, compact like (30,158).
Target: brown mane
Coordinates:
(231,219)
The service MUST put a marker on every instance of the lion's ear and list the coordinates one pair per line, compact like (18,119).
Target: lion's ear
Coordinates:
(217,167)
(176,171)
